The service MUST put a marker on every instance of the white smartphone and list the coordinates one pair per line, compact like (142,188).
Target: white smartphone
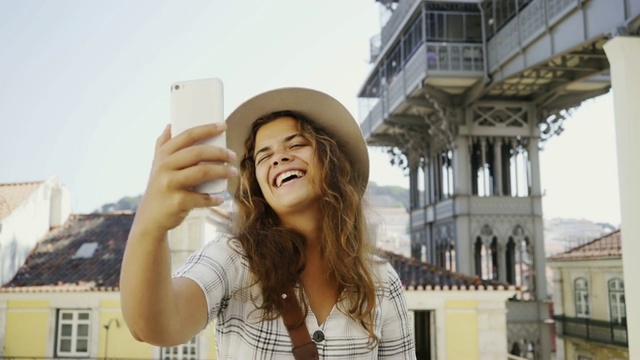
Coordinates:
(194,103)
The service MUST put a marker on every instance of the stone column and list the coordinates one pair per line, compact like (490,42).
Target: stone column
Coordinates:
(414,201)
(461,172)
(534,160)
(623,54)
(497,166)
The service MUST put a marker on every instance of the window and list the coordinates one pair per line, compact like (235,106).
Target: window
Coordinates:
(187,351)
(423,333)
(519,264)
(581,288)
(73,333)
(446,255)
(486,254)
(617,307)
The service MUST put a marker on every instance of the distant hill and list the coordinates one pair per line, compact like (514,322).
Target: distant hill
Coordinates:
(377,196)
(387,196)
(126,204)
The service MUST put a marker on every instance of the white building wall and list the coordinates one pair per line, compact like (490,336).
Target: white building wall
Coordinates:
(491,314)
(623,53)
(29,222)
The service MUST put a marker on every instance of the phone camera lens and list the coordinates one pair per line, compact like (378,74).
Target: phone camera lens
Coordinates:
(176,87)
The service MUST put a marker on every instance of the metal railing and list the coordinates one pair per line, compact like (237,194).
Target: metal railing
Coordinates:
(435,59)
(533,20)
(395,20)
(595,330)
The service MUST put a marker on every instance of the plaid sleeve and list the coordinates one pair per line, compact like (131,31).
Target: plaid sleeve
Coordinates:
(396,341)
(219,271)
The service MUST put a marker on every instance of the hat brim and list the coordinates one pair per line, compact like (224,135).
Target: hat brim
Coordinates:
(324,110)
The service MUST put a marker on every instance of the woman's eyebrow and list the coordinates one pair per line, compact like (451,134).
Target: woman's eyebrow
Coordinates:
(285,140)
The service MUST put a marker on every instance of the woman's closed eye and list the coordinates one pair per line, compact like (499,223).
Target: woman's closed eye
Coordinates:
(262,157)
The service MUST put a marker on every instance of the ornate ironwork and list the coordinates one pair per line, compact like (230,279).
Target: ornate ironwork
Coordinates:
(552,122)
(441,123)
(593,330)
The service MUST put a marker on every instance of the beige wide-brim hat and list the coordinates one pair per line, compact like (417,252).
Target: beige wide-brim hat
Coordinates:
(324,110)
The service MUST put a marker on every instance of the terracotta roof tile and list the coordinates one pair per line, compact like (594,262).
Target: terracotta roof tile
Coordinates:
(54,265)
(416,274)
(13,194)
(606,247)
(55,260)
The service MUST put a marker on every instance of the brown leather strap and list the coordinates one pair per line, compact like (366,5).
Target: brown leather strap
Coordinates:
(303,347)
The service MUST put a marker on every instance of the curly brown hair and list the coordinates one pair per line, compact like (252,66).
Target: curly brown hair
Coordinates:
(276,254)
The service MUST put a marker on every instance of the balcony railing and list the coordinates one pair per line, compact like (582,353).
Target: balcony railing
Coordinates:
(594,330)
(536,18)
(395,20)
(430,59)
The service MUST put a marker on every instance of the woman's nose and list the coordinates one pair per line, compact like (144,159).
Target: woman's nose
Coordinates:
(281,157)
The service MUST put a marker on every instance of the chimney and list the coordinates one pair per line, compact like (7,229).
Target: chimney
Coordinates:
(60,204)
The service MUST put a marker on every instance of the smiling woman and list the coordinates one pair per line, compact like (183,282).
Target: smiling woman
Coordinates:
(298,261)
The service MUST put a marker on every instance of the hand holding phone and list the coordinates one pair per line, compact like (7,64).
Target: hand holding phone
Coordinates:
(194,103)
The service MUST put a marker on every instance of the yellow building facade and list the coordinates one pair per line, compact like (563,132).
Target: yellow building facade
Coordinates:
(80,321)
(589,301)
(64,301)
(459,322)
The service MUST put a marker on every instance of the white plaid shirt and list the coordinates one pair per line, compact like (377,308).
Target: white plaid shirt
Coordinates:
(223,274)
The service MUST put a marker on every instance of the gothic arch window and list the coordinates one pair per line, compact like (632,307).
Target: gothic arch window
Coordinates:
(450,252)
(486,254)
(581,291)
(479,250)
(445,246)
(520,270)
(510,257)
(494,258)
(617,304)
(446,255)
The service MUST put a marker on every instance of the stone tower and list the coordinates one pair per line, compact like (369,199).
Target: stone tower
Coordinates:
(461,94)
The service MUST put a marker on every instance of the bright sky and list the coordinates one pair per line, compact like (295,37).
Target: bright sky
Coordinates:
(85,89)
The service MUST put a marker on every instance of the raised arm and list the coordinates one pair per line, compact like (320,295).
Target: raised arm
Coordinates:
(158,309)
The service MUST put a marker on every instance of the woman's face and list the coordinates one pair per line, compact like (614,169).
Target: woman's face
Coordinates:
(286,167)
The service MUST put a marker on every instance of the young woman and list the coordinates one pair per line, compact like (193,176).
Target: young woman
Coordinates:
(299,232)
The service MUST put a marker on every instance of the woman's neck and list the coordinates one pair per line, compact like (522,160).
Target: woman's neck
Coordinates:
(306,223)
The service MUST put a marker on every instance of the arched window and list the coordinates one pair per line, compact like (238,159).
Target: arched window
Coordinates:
(446,255)
(486,254)
(581,290)
(494,259)
(478,251)
(486,259)
(510,258)
(618,310)
(519,263)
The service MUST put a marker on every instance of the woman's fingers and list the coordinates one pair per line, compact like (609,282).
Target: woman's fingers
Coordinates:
(193,155)
(191,137)
(164,137)
(187,200)
(197,174)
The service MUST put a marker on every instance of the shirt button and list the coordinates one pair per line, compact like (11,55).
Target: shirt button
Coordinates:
(318,336)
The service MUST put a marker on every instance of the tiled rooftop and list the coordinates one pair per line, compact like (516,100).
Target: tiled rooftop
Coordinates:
(419,275)
(86,252)
(57,261)
(606,247)
(13,194)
